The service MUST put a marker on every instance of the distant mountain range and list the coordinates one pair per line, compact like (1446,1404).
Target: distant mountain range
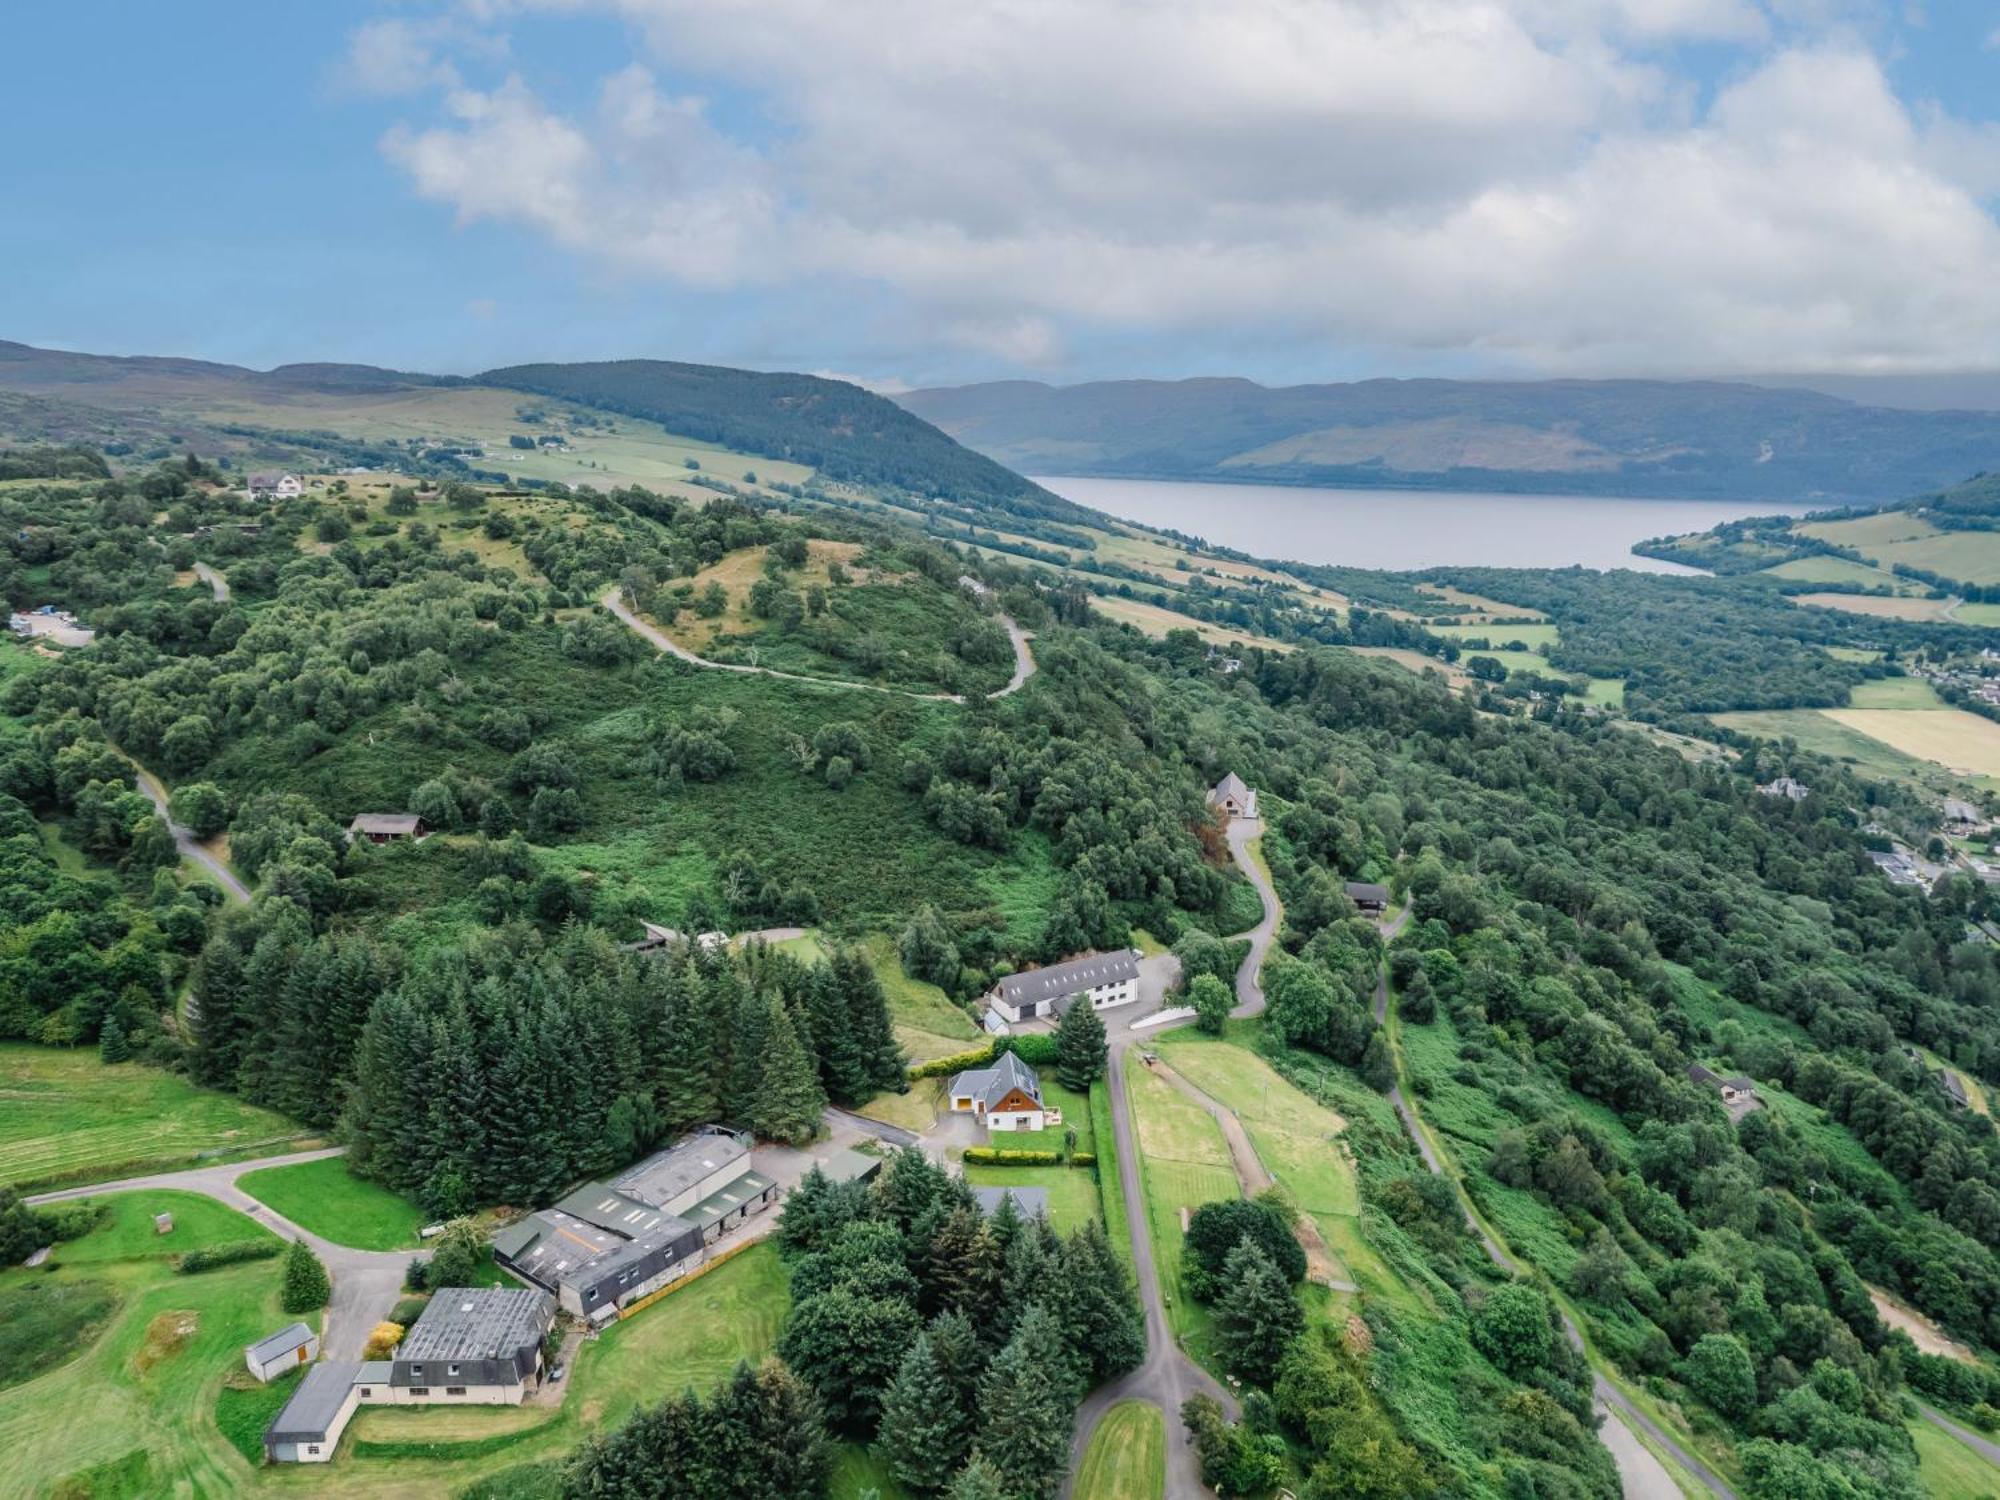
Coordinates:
(847,434)
(1649,438)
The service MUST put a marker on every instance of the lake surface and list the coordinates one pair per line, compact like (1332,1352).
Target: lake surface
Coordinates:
(1409,529)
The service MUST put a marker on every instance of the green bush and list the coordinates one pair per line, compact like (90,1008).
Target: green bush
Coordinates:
(1000,1156)
(210,1257)
(958,1062)
(1083,1158)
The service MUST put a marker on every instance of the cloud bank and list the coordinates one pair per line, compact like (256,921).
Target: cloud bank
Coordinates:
(1532,183)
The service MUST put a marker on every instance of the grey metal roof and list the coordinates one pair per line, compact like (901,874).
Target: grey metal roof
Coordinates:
(316,1404)
(724,1201)
(992,1084)
(374,1372)
(477,1323)
(1029,1202)
(384,823)
(849,1165)
(1362,890)
(664,1176)
(282,1342)
(605,1206)
(1077,974)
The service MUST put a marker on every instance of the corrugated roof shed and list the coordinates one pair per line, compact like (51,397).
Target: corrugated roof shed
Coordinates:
(315,1405)
(282,1342)
(476,1323)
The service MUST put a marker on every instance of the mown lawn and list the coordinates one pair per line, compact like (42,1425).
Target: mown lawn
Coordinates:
(128,1233)
(1073,1195)
(1184,1163)
(1950,1470)
(66,1117)
(1127,1457)
(326,1199)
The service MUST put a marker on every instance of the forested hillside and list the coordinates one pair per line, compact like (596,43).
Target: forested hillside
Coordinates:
(1678,439)
(1590,914)
(848,434)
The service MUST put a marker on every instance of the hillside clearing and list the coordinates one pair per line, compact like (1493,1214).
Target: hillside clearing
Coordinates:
(1951,737)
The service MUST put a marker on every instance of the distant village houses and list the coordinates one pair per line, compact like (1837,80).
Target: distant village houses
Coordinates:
(1786,787)
(1105,979)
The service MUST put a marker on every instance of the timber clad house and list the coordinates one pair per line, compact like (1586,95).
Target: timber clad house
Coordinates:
(384,828)
(1108,979)
(1372,900)
(610,1245)
(1230,795)
(1005,1096)
(470,1346)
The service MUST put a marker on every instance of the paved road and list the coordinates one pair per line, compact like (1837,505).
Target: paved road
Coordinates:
(1249,992)
(1024,659)
(213,579)
(190,847)
(1986,1448)
(366,1283)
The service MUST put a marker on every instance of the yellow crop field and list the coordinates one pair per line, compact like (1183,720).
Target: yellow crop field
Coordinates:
(1950,737)
(1877,607)
(1156,622)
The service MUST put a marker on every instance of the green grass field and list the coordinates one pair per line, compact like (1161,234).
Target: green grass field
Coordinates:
(1184,1164)
(44,1321)
(1816,732)
(1891,537)
(1839,570)
(1977,614)
(1852,653)
(128,1233)
(65,1117)
(1127,1457)
(694,1336)
(1500,636)
(1605,692)
(326,1199)
(1894,692)
(1073,1194)
(1949,1469)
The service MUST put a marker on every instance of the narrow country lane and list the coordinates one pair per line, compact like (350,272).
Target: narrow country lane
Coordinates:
(1642,1475)
(1024,659)
(216,582)
(191,848)
(1168,1377)
(366,1283)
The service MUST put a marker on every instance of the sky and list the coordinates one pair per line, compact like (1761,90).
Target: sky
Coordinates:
(910,193)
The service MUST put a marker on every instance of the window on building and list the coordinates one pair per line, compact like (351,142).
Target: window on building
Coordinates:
(451,1369)
(312,1447)
(420,1390)
(454,1390)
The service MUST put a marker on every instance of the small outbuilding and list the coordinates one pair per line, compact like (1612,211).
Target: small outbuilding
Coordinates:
(309,1428)
(1029,1202)
(163,1223)
(284,1350)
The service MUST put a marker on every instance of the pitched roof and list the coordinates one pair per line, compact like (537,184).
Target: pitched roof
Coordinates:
(1362,890)
(283,1341)
(316,1404)
(665,1175)
(384,823)
(481,1322)
(1057,980)
(849,1165)
(992,1084)
(1029,1202)
(1231,785)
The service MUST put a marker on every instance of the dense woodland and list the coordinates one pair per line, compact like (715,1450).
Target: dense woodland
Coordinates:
(1591,914)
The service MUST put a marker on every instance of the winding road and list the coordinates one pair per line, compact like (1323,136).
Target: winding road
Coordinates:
(190,847)
(366,1283)
(1024,659)
(216,582)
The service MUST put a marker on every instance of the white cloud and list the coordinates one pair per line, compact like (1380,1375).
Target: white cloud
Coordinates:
(1521,178)
(395,56)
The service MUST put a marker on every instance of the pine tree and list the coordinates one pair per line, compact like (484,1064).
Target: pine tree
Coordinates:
(962,1267)
(687,1066)
(1027,1401)
(789,1100)
(959,1354)
(749,1046)
(774,1423)
(1093,1304)
(883,1065)
(112,1046)
(1025,1272)
(925,1432)
(1378,1068)
(978,1480)
(841,1067)
(1256,1315)
(1080,1049)
(305,1287)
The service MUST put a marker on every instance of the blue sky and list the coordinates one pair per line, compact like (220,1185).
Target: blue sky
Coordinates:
(1059,189)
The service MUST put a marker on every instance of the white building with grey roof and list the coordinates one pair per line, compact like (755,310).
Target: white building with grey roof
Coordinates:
(1004,1095)
(1105,979)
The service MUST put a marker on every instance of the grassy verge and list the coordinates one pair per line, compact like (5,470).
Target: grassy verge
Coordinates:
(44,1322)
(243,1409)
(1949,1469)
(1127,1457)
(1184,1164)
(326,1199)
(71,1118)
